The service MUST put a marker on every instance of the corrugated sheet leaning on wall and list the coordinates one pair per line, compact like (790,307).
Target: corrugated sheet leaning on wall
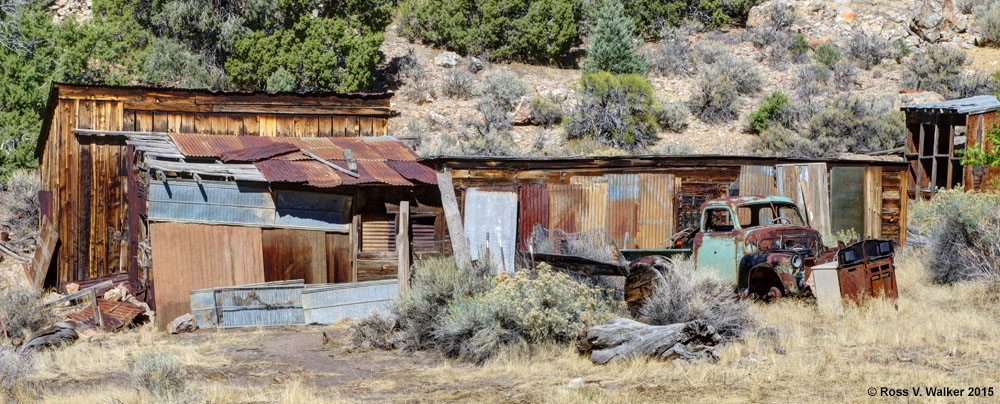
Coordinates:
(623,208)
(656,210)
(491,222)
(327,305)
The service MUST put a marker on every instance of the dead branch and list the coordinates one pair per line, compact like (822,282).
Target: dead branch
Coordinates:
(622,338)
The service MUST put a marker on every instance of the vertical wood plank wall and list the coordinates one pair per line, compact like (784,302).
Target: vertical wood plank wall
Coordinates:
(87,175)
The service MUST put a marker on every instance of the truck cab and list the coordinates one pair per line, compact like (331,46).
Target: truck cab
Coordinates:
(762,244)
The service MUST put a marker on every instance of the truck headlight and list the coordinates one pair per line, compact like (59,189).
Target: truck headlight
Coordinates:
(796,261)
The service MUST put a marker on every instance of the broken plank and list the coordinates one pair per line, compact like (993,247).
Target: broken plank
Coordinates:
(453,216)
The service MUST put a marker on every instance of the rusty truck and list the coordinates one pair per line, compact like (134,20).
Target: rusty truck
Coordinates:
(763,245)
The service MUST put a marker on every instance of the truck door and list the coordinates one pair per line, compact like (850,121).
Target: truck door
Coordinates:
(716,245)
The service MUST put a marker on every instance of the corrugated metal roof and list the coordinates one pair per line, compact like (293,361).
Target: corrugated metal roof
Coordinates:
(257,153)
(383,160)
(971,105)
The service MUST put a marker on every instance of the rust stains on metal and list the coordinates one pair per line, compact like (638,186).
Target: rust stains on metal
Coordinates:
(564,206)
(197,145)
(415,171)
(116,315)
(533,210)
(257,153)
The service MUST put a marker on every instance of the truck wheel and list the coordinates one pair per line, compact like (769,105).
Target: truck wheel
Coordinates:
(764,284)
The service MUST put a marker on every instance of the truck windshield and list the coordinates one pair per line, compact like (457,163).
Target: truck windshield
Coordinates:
(761,214)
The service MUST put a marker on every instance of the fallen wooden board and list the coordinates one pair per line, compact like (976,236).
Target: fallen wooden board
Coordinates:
(77,295)
(459,245)
(38,269)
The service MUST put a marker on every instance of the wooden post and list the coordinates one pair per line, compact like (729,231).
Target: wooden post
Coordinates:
(453,216)
(403,245)
(355,240)
(98,318)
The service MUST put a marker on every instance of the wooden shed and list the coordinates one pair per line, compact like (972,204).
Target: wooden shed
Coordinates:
(642,200)
(936,132)
(93,193)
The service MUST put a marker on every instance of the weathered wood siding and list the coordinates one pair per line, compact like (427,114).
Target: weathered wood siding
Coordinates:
(87,176)
(188,256)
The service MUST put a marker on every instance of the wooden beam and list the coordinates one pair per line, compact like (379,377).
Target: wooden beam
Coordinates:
(329,164)
(98,318)
(82,293)
(459,245)
(403,245)
(48,238)
(355,240)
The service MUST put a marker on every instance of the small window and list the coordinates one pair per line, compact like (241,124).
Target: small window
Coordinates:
(792,214)
(718,220)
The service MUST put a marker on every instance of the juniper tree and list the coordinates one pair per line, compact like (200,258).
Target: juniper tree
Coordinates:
(613,46)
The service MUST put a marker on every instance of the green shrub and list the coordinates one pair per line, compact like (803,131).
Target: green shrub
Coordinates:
(651,16)
(282,81)
(902,50)
(783,142)
(774,110)
(545,111)
(826,54)
(532,306)
(534,31)
(673,116)
(618,110)
(159,373)
(613,45)
(170,64)
(688,295)
(856,124)
(457,83)
(799,47)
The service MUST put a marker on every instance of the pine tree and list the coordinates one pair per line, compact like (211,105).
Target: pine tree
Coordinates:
(613,47)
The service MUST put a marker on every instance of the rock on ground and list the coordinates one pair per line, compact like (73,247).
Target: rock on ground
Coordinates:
(185,323)
(447,59)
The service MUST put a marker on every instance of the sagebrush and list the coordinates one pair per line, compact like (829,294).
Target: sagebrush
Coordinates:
(545,111)
(160,373)
(21,309)
(957,225)
(19,209)
(688,295)
(15,367)
(532,306)
(458,83)
(618,110)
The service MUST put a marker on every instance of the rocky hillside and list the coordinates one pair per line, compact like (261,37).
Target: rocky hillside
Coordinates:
(916,24)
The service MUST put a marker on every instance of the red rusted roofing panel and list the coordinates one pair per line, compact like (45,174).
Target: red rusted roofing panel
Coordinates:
(533,200)
(195,145)
(415,171)
(318,174)
(122,313)
(390,149)
(378,171)
(360,149)
(258,153)
(281,171)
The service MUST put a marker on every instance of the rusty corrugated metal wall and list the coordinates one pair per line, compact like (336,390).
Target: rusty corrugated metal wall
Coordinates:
(533,208)
(593,209)
(564,206)
(656,210)
(623,208)
(188,256)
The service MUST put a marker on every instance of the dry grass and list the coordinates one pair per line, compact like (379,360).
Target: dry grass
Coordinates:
(931,336)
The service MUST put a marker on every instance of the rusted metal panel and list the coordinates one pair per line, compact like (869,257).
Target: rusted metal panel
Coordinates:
(257,153)
(189,256)
(656,210)
(491,226)
(377,171)
(564,206)
(122,313)
(623,208)
(594,207)
(757,180)
(199,145)
(806,185)
(415,171)
(533,208)
(866,269)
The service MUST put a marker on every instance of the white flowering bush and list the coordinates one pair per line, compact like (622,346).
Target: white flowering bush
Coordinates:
(532,306)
